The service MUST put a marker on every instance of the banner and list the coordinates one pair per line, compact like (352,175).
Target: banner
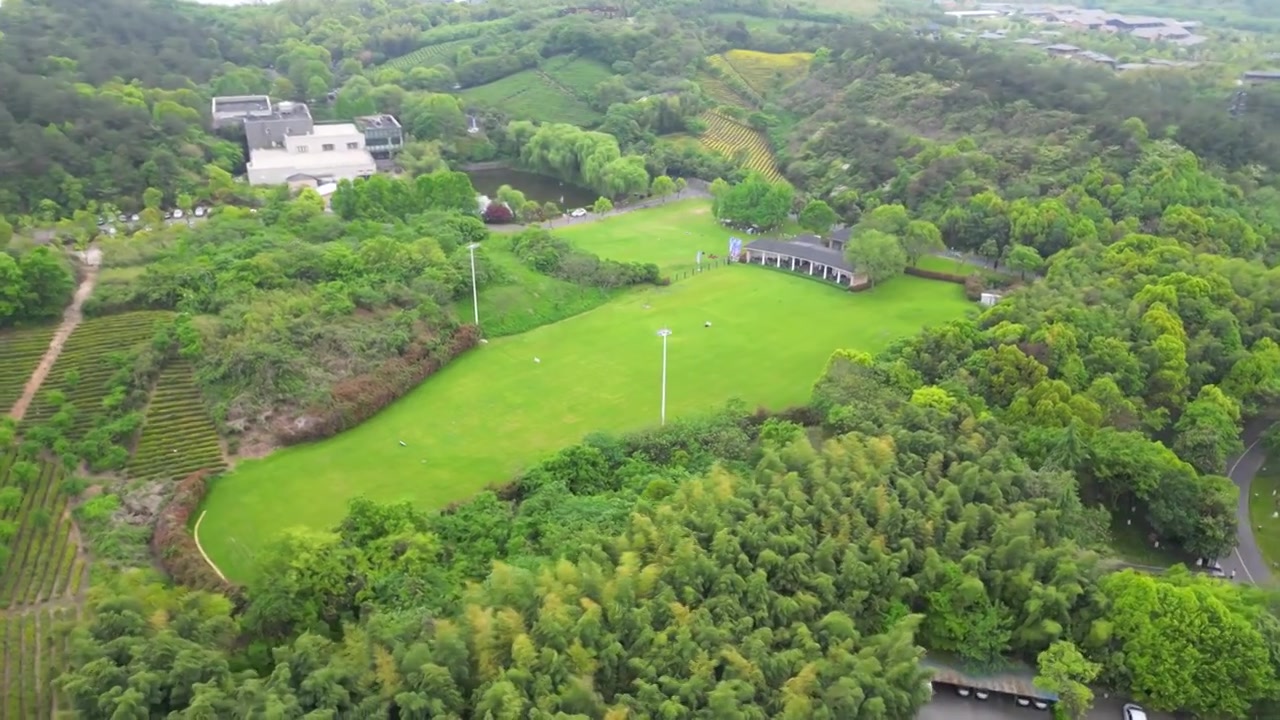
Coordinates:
(735,248)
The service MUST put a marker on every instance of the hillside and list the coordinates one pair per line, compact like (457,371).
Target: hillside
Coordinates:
(863,351)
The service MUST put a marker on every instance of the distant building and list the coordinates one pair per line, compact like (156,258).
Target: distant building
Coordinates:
(383,136)
(974,14)
(1029,41)
(232,110)
(1062,49)
(1261,76)
(271,129)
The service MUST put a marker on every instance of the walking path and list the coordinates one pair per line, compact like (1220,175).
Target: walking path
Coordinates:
(1246,560)
(71,317)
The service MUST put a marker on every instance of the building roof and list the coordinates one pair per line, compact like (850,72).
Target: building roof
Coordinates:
(804,251)
(306,163)
(991,36)
(382,120)
(241,104)
(1157,33)
(1262,74)
(1190,40)
(1061,47)
(1018,680)
(334,129)
(1097,57)
(1029,41)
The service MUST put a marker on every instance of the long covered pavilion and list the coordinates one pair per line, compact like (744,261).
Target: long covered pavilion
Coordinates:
(811,259)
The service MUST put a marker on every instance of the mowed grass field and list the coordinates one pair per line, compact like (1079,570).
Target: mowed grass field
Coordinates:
(669,235)
(493,412)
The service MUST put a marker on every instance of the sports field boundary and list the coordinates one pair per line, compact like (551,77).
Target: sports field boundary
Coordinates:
(195,535)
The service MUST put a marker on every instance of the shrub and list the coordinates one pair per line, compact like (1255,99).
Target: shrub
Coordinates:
(174,546)
(935,275)
(497,214)
(357,399)
(974,286)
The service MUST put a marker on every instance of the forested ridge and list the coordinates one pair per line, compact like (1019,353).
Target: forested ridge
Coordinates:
(960,493)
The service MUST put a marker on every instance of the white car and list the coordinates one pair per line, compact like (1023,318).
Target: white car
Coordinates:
(177,214)
(1134,711)
(580,212)
(200,211)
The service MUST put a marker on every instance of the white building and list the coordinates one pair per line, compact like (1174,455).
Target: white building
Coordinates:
(330,152)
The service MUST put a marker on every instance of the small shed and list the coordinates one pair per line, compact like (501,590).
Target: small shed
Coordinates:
(988,299)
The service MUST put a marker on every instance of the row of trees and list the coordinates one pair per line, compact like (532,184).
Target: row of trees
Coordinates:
(35,286)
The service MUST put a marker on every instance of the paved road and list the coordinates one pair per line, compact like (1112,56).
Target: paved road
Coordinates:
(1246,560)
(946,705)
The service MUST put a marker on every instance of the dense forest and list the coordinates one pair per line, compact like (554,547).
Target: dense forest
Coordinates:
(956,494)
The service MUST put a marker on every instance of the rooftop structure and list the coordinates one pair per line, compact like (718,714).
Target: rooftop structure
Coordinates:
(1062,49)
(810,258)
(1029,41)
(1261,76)
(974,14)
(231,110)
(383,135)
(269,130)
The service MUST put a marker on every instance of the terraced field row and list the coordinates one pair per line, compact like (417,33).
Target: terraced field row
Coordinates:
(35,651)
(20,352)
(723,67)
(766,72)
(579,75)
(439,54)
(178,437)
(84,369)
(43,563)
(720,92)
(728,137)
(532,95)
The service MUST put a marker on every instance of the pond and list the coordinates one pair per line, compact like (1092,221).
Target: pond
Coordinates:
(541,188)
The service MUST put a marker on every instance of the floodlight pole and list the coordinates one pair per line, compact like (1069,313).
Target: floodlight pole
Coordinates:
(475,293)
(665,333)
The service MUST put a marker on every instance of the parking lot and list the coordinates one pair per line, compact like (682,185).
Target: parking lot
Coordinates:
(946,705)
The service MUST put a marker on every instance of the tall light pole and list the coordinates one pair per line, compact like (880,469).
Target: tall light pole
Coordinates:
(475,293)
(664,333)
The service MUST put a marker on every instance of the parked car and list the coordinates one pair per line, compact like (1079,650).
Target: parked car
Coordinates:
(963,691)
(580,212)
(200,211)
(177,214)
(981,694)
(1134,711)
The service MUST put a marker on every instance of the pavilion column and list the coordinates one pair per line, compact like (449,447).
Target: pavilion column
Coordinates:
(824,272)
(810,268)
(793,263)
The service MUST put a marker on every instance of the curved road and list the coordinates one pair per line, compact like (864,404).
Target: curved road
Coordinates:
(1246,560)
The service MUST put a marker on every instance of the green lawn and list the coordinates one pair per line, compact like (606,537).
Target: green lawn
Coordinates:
(1264,501)
(495,410)
(526,299)
(669,235)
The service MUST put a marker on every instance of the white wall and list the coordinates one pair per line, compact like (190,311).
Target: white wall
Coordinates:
(345,169)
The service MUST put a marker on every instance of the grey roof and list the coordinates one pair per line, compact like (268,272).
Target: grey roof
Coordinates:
(1262,74)
(1029,41)
(1097,57)
(1062,48)
(804,251)
(991,36)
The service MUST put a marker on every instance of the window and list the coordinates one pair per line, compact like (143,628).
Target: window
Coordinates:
(327,147)
(353,146)
(302,148)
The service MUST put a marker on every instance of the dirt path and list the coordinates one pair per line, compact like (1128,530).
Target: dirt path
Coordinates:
(71,317)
